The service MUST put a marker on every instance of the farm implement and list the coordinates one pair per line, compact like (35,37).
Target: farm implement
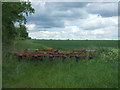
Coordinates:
(40,54)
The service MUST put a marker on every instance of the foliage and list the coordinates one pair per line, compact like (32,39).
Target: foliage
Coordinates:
(21,31)
(14,12)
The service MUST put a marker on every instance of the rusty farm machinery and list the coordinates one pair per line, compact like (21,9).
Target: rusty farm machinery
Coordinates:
(41,54)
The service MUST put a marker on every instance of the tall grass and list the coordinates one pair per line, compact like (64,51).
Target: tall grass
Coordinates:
(100,72)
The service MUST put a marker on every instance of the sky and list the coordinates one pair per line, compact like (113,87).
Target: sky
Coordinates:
(74,20)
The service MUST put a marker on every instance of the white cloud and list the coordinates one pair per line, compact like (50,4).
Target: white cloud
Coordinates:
(98,32)
(31,26)
(96,21)
(100,28)
(105,9)
(74,32)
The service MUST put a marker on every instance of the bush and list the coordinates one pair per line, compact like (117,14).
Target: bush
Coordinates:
(108,54)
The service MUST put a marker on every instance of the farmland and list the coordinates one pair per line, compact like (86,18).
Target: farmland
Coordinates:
(100,72)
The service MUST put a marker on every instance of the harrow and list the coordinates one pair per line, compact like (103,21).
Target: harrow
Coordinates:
(40,54)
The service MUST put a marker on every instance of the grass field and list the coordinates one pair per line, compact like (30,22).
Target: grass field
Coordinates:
(100,72)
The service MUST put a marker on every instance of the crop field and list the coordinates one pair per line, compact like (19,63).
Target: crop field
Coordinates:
(99,72)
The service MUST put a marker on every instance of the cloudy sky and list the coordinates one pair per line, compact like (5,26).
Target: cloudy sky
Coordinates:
(74,20)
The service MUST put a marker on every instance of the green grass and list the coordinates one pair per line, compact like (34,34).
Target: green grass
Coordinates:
(78,44)
(100,72)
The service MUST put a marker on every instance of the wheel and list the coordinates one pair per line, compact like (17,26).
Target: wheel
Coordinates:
(77,58)
(51,58)
(90,57)
(63,58)
(20,56)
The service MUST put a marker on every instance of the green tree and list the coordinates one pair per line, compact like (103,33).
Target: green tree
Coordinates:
(21,32)
(13,12)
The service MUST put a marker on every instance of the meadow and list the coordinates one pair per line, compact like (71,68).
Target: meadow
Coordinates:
(99,72)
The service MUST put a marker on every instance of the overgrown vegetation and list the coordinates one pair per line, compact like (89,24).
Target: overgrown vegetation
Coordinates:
(100,72)
(13,13)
